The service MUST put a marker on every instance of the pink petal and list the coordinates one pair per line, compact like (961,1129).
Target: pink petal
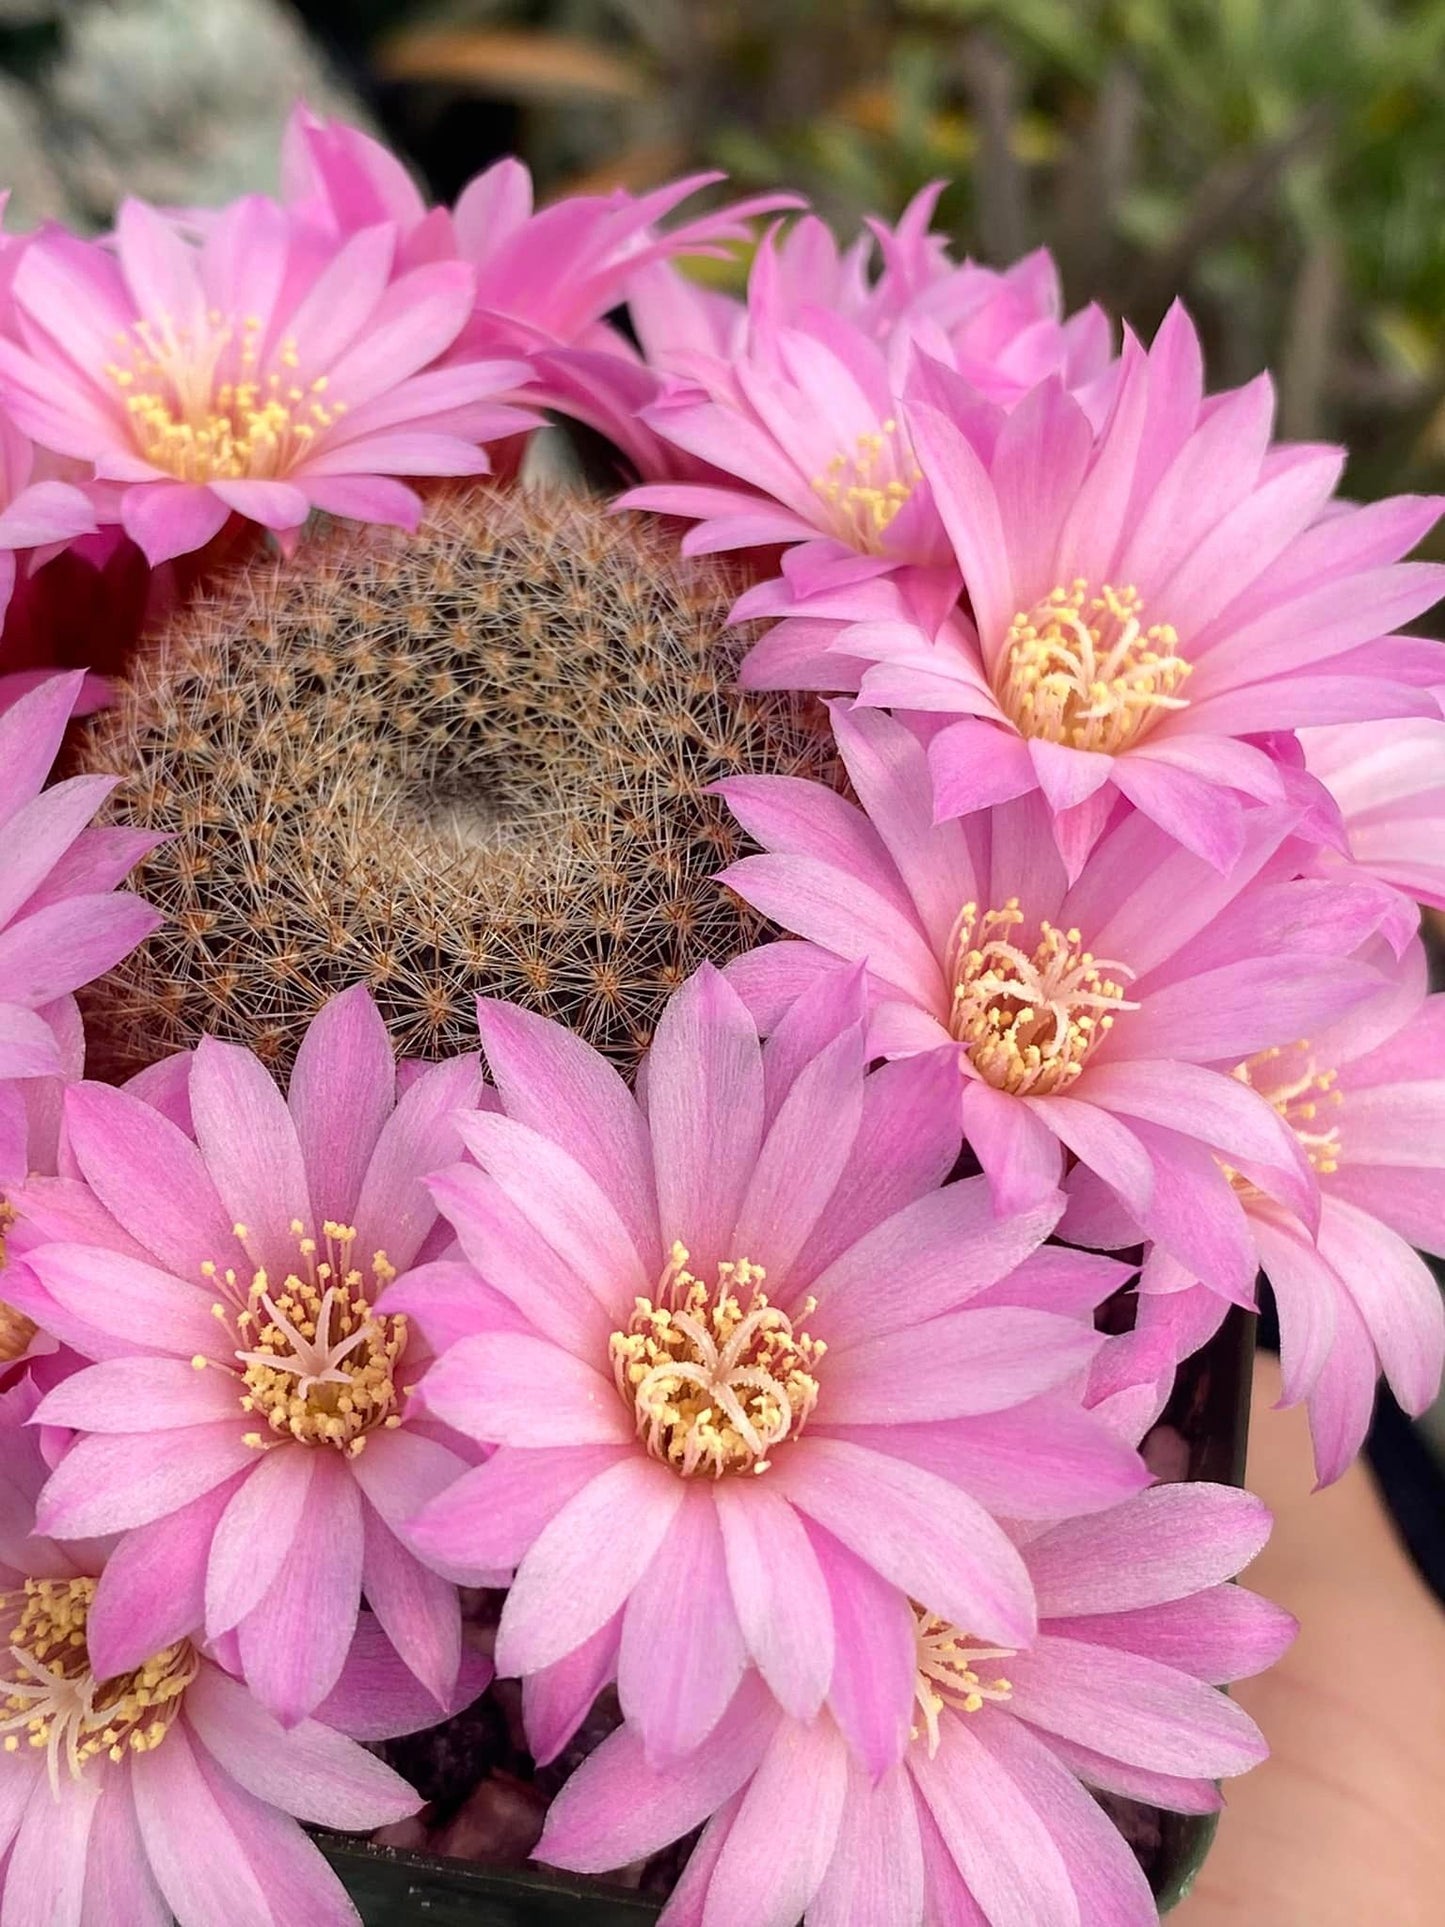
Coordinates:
(128,1300)
(1396,1295)
(682,1655)
(45,1874)
(803,1157)
(876,1872)
(68,944)
(778,1592)
(927,1258)
(306,1769)
(921,1533)
(248,1140)
(255,1534)
(420,1137)
(585,1562)
(1220,1634)
(492,1516)
(1014,1144)
(782,1837)
(417,1609)
(108,1482)
(118,1880)
(875,1670)
(1168,1542)
(997,1839)
(294,1643)
(377,1697)
(552,1082)
(616,1808)
(167,519)
(556,1700)
(141,1394)
(1124,1704)
(150,1176)
(508,1388)
(342,1091)
(957,1366)
(175,1807)
(705,1112)
(152,1591)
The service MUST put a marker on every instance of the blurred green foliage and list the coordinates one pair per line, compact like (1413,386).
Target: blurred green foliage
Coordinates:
(1278,163)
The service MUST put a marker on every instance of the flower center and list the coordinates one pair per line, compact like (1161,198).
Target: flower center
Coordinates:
(948,1675)
(205,406)
(1303,1095)
(1030,1019)
(50,1698)
(317,1362)
(716,1375)
(1080,669)
(867,487)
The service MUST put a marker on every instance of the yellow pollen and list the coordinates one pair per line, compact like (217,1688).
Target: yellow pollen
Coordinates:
(203,405)
(316,1360)
(1305,1096)
(1080,669)
(51,1700)
(948,1675)
(1030,1018)
(716,1376)
(867,487)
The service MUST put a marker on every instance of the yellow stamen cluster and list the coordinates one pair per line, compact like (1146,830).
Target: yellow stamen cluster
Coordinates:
(317,1360)
(206,405)
(1081,669)
(1304,1097)
(948,1674)
(1030,1018)
(867,487)
(715,1375)
(49,1697)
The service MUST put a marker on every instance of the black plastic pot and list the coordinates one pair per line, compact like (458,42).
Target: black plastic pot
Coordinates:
(1209,1412)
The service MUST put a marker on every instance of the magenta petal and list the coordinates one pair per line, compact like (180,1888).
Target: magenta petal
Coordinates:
(295,1642)
(976,764)
(342,1091)
(57,949)
(682,1655)
(1220,1634)
(108,1482)
(167,519)
(585,1562)
(779,1594)
(921,1533)
(307,1769)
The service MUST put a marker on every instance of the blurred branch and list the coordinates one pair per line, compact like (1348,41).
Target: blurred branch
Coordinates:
(1309,344)
(990,78)
(534,66)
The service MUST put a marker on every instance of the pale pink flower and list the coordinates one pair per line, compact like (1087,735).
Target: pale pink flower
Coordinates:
(760,1364)
(163,1791)
(1366,1099)
(979,1815)
(1388,779)
(1143,596)
(249,371)
(1090,1016)
(36,514)
(225,1255)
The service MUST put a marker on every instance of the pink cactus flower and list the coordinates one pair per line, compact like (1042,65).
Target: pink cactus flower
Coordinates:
(755,1357)
(1090,1016)
(35,514)
(224,1256)
(1366,1099)
(1143,597)
(977,1811)
(1388,779)
(163,1791)
(797,407)
(249,372)
(62,921)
